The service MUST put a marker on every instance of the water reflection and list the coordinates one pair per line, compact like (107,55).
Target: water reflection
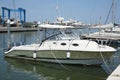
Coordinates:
(47,71)
(24,37)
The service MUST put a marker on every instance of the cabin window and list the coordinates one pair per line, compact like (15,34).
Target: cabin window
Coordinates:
(75,44)
(54,42)
(63,44)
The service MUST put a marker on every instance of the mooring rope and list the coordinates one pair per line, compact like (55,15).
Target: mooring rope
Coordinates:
(105,62)
(58,60)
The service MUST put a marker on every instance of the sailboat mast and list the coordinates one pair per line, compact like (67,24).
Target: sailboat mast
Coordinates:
(113,12)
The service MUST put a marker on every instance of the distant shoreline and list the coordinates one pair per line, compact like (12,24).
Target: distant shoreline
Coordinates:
(17,29)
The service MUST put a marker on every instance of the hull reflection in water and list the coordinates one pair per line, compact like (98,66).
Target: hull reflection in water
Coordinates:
(56,71)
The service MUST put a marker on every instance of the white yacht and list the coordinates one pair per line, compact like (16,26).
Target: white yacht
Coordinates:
(63,45)
(107,33)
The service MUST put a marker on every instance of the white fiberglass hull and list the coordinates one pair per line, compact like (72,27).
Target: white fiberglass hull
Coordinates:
(65,51)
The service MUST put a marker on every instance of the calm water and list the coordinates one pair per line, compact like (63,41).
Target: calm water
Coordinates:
(12,69)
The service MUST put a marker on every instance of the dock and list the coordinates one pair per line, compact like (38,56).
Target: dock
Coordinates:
(17,29)
(115,75)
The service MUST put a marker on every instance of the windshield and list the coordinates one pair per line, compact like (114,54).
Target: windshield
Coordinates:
(59,34)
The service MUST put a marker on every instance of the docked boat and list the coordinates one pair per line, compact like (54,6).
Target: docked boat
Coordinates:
(63,45)
(108,34)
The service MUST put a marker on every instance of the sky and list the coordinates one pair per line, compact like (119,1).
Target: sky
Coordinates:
(86,11)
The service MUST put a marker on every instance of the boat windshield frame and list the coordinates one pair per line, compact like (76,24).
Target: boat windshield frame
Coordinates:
(61,34)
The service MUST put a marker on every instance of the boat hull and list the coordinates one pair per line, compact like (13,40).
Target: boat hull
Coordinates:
(62,56)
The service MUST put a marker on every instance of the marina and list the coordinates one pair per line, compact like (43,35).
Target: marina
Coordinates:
(38,43)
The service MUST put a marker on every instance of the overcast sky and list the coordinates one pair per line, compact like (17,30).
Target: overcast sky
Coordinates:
(87,11)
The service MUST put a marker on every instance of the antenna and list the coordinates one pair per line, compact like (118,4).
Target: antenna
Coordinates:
(113,12)
(57,9)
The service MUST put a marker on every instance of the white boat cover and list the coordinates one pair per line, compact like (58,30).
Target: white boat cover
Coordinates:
(54,26)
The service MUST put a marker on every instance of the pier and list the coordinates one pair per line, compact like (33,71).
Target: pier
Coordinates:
(17,29)
(115,75)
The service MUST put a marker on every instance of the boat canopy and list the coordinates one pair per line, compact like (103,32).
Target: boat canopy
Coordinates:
(54,26)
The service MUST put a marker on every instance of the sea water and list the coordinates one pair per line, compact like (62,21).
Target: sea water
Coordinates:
(13,69)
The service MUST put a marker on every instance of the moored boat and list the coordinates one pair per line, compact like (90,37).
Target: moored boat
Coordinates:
(63,46)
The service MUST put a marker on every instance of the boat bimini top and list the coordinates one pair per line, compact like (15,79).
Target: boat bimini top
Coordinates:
(54,26)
